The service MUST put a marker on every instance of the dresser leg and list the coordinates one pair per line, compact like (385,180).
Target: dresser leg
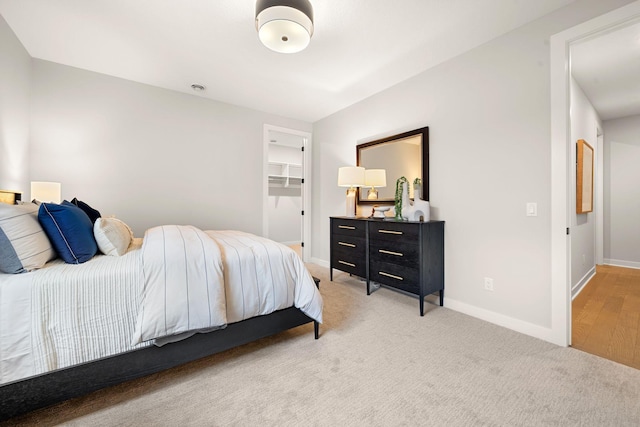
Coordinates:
(421,306)
(330,274)
(316,325)
(442,298)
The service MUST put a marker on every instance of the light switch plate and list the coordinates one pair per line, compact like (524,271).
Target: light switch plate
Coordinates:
(532,209)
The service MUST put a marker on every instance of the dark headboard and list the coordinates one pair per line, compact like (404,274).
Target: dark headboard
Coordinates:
(10,197)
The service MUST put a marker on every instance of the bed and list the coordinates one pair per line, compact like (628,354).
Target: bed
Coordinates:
(174,296)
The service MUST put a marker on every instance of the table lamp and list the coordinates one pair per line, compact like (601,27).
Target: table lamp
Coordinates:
(351,176)
(46,191)
(374,178)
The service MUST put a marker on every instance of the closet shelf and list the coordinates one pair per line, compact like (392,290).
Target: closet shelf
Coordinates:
(285,174)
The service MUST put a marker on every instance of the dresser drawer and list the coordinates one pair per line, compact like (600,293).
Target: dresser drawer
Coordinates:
(349,244)
(348,227)
(352,265)
(395,252)
(394,275)
(394,231)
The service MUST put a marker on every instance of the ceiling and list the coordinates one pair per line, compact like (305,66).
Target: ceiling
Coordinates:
(607,68)
(359,47)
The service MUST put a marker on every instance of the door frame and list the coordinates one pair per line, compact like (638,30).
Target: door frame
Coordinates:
(561,168)
(306,186)
(599,197)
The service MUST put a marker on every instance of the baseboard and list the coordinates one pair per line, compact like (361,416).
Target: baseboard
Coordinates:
(621,263)
(320,262)
(536,331)
(578,287)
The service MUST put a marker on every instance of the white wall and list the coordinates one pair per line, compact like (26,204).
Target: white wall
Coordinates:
(15,72)
(488,113)
(584,125)
(622,191)
(148,155)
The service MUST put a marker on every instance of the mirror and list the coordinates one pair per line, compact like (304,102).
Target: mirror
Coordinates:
(405,154)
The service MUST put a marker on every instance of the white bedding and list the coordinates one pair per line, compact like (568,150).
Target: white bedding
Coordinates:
(262,276)
(66,314)
(183,283)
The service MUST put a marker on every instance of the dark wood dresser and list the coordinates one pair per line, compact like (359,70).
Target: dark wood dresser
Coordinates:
(408,256)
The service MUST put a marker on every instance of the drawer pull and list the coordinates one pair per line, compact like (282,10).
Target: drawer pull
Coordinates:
(348,227)
(382,251)
(351,245)
(390,232)
(390,275)
(347,263)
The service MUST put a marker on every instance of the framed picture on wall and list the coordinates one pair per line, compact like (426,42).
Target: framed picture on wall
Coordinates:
(584,177)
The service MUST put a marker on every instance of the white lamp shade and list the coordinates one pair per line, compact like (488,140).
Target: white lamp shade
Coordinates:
(285,28)
(375,178)
(351,176)
(46,191)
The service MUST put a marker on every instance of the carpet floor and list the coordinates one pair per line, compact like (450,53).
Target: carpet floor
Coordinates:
(377,363)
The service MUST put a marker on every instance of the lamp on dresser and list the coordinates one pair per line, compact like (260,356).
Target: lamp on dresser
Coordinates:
(352,177)
(374,178)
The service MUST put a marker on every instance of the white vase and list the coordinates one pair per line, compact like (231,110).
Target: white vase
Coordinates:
(419,210)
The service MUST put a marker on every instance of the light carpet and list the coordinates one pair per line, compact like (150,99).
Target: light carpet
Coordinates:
(377,363)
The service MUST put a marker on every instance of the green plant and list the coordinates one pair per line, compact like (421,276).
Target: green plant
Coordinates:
(398,204)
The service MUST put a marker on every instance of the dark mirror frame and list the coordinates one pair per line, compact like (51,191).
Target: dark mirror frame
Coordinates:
(425,161)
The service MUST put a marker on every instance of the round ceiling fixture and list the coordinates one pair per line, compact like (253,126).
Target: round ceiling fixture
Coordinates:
(284,26)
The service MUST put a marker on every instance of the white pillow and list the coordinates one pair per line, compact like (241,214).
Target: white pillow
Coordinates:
(112,235)
(24,246)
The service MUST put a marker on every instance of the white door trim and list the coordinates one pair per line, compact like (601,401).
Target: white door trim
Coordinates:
(599,202)
(306,192)
(560,162)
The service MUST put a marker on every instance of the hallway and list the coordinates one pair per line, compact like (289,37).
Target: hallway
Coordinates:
(606,315)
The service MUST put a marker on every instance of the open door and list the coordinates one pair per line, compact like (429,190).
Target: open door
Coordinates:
(286,184)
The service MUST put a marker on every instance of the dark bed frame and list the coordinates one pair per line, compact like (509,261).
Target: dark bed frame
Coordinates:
(22,396)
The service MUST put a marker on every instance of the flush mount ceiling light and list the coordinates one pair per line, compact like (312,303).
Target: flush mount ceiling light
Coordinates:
(285,26)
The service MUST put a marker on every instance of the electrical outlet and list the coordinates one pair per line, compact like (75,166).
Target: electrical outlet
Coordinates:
(488,283)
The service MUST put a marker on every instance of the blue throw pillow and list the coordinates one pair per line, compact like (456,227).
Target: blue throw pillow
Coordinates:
(70,231)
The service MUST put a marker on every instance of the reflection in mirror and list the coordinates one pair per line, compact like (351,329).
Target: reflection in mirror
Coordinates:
(406,154)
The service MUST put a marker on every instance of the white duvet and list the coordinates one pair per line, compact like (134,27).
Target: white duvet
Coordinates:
(66,314)
(183,286)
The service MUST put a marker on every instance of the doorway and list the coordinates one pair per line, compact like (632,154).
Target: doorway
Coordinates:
(561,165)
(286,187)
(604,70)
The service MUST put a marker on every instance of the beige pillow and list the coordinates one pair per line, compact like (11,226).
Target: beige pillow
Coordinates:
(24,246)
(112,235)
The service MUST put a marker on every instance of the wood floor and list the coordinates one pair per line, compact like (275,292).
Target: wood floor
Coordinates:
(606,315)
(297,248)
